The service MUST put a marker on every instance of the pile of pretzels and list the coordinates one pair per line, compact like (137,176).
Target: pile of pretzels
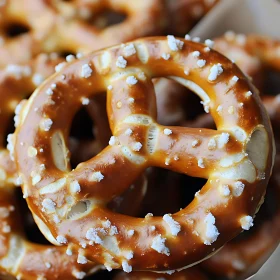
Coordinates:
(129,156)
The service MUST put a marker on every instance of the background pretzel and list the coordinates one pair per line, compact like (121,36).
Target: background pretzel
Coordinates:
(184,14)
(47,28)
(153,243)
(254,54)
(24,26)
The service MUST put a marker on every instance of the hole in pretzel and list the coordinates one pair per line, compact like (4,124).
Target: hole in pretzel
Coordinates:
(167,192)
(179,106)
(90,131)
(31,230)
(271,82)
(174,102)
(15,29)
(108,18)
(10,128)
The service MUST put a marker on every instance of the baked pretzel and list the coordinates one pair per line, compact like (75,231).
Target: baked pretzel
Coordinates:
(170,96)
(24,26)
(184,14)
(243,257)
(252,53)
(236,159)
(188,274)
(49,29)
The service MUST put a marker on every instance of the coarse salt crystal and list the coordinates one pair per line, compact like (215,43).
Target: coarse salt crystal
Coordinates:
(86,71)
(174,44)
(121,62)
(215,71)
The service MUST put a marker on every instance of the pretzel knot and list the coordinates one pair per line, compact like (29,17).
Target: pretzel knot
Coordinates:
(236,158)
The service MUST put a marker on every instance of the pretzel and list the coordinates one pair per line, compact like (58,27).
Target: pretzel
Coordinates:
(184,14)
(252,53)
(188,274)
(24,26)
(49,29)
(237,168)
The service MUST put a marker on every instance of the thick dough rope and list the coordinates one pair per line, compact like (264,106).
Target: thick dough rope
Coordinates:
(52,28)
(17,82)
(244,257)
(236,158)
(254,54)
(19,257)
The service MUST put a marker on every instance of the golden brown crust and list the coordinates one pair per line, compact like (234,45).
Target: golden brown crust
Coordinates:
(212,219)
(17,82)
(244,257)
(59,27)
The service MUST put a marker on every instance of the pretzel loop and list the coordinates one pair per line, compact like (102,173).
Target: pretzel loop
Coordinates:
(236,159)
